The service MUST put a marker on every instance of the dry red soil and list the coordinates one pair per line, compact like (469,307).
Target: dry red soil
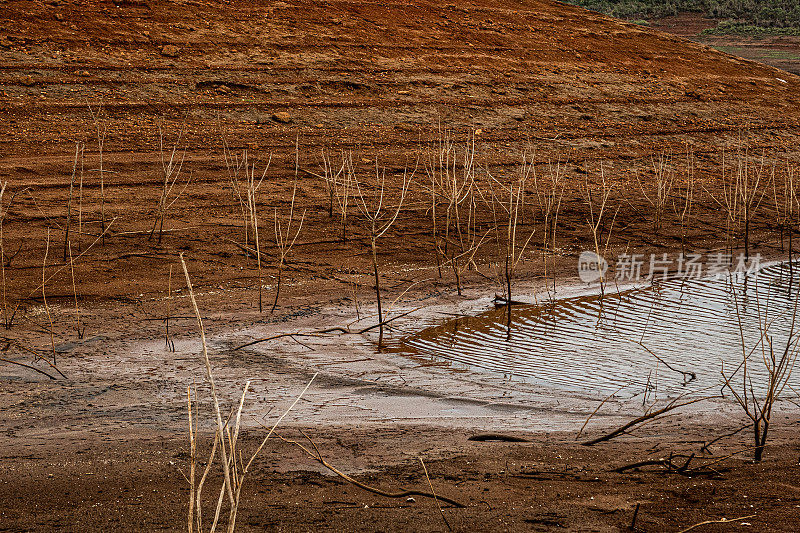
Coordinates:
(104,449)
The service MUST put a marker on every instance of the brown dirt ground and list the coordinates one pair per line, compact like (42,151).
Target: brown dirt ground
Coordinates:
(102,450)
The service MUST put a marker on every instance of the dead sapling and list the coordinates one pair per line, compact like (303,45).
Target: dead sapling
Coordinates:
(285,237)
(171,166)
(461,241)
(253,185)
(751,194)
(236,166)
(549,198)
(728,200)
(330,177)
(757,401)
(379,218)
(451,174)
(597,202)
(9,312)
(663,182)
(343,184)
(507,215)
(787,206)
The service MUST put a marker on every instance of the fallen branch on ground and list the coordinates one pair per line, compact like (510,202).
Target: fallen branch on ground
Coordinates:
(335,329)
(644,418)
(317,456)
(707,445)
(37,355)
(488,437)
(27,366)
(720,521)
(667,463)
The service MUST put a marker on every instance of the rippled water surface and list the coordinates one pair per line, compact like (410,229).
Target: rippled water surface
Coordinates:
(599,345)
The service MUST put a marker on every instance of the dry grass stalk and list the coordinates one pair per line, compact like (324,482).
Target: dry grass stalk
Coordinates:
(8,319)
(80,201)
(101,129)
(78,153)
(170,344)
(238,468)
(210,377)
(80,329)
(685,212)
(234,472)
(61,269)
(44,296)
(435,499)
(720,521)
(239,479)
(199,490)
(192,458)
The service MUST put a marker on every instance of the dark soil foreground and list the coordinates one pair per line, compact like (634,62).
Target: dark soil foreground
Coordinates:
(103,448)
(549,484)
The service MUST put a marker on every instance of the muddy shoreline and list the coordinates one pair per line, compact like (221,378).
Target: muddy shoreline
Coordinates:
(107,447)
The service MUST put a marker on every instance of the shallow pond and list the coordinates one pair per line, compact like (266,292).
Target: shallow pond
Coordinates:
(666,338)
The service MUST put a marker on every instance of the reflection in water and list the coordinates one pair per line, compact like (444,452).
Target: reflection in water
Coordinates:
(585,344)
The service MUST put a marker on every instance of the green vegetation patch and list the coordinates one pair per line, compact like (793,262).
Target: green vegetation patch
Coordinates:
(744,17)
(730,27)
